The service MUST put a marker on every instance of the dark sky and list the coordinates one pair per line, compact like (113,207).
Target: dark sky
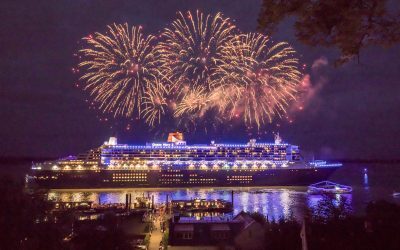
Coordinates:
(355,112)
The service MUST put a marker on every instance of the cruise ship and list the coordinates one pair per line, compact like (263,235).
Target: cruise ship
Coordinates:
(176,164)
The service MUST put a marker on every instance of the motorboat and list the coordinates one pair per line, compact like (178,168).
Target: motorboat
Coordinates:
(328,187)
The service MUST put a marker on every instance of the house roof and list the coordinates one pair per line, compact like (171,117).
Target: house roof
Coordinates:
(220,227)
(205,232)
(184,228)
(206,220)
(245,218)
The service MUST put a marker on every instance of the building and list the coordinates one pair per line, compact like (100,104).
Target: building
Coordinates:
(241,232)
(251,235)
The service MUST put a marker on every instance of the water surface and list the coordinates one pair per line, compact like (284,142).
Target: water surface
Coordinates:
(370,182)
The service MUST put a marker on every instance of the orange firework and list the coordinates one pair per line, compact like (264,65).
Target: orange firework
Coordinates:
(121,67)
(199,70)
(155,103)
(191,49)
(259,78)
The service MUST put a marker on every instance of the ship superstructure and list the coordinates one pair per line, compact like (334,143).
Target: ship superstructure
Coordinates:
(174,163)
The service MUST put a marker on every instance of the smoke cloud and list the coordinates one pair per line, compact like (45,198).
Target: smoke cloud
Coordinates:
(311,85)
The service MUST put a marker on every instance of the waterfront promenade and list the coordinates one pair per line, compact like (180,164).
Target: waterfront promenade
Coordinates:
(156,236)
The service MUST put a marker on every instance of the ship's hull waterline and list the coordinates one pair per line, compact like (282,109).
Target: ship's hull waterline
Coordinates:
(180,178)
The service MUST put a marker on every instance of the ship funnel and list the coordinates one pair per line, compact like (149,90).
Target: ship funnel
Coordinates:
(176,138)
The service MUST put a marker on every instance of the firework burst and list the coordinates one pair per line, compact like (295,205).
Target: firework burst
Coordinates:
(191,49)
(192,102)
(200,71)
(155,103)
(259,78)
(120,68)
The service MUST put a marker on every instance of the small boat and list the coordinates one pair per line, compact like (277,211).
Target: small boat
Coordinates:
(328,187)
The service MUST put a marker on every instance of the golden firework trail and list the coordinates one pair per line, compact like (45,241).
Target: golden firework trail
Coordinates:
(192,102)
(191,48)
(122,71)
(199,69)
(155,103)
(259,78)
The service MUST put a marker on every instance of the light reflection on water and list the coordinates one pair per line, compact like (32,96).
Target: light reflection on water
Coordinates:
(369,183)
(366,185)
(272,202)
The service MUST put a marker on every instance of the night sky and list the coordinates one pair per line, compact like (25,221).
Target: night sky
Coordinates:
(353,112)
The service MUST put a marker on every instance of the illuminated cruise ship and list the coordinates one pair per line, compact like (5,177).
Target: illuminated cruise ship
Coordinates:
(176,164)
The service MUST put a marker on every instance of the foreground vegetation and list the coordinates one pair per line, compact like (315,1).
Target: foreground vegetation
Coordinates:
(27,222)
(331,226)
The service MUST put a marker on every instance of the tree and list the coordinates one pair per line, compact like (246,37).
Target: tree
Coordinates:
(282,234)
(258,217)
(165,238)
(348,25)
(25,222)
(331,209)
(384,219)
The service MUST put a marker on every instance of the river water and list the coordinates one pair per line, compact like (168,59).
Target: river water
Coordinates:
(370,182)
